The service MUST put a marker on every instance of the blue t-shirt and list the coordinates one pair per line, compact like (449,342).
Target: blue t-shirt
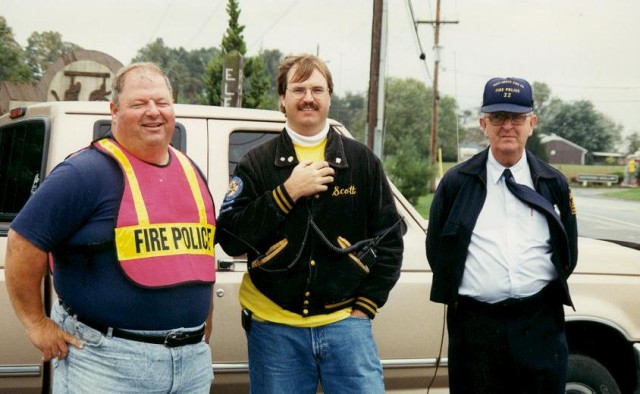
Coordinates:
(72,215)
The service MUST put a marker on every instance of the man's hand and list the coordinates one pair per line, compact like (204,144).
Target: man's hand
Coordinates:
(52,340)
(309,178)
(358,313)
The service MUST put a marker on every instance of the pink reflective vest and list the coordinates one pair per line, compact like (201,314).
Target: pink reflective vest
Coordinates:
(166,223)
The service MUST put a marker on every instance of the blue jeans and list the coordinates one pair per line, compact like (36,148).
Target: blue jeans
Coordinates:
(342,356)
(108,364)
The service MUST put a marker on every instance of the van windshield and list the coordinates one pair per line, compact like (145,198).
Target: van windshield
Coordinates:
(21,154)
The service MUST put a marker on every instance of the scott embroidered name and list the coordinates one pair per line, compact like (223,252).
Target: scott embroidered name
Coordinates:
(341,191)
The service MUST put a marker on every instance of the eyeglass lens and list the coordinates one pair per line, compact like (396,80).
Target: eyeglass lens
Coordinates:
(300,91)
(498,118)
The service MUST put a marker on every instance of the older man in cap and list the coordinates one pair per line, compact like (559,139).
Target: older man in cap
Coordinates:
(502,241)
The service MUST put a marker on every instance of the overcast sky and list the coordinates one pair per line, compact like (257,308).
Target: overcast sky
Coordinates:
(582,49)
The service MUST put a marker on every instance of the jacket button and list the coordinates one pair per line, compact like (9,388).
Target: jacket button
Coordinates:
(306,302)
(307,294)
(313,262)
(305,311)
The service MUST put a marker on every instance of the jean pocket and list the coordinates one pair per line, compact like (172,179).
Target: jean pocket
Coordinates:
(88,335)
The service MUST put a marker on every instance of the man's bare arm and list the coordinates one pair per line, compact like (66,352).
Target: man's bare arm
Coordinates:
(25,267)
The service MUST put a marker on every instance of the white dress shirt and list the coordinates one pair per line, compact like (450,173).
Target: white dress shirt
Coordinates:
(510,253)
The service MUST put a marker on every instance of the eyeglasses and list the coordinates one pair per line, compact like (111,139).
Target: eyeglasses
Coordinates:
(498,118)
(301,91)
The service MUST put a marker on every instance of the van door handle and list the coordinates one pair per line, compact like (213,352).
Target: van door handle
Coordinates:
(229,265)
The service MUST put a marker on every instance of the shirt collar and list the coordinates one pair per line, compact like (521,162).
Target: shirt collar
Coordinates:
(495,169)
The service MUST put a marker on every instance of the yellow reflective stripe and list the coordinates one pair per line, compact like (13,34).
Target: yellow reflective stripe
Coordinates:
(138,202)
(193,184)
(164,239)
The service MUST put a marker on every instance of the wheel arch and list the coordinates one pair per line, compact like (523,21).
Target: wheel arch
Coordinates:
(609,344)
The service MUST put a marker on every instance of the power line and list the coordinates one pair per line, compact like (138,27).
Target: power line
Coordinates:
(423,57)
(160,21)
(260,36)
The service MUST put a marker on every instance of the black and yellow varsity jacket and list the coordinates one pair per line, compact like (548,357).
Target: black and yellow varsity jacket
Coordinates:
(288,260)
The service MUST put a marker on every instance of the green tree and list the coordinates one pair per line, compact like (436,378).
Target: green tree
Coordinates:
(232,40)
(409,171)
(406,139)
(45,48)
(633,143)
(13,66)
(580,123)
(257,85)
(272,59)
(185,69)
(449,131)
(541,99)
(407,114)
(350,111)
(256,82)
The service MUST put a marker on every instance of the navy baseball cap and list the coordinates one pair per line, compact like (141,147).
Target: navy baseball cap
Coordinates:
(507,95)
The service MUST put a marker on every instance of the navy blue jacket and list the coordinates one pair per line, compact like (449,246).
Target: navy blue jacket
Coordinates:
(454,211)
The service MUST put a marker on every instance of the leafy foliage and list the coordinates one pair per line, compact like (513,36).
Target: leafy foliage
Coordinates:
(350,110)
(233,39)
(581,124)
(13,66)
(183,68)
(257,84)
(43,49)
(408,170)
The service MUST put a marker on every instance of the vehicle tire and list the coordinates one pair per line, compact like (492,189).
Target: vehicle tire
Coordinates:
(587,376)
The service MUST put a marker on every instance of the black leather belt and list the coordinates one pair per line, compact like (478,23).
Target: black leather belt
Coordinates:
(174,339)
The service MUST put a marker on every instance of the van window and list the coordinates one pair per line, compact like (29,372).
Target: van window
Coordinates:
(179,140)
(21,164)
(241,142)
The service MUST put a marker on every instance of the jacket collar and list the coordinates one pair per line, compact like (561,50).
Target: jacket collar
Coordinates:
(477,166)
(333,153)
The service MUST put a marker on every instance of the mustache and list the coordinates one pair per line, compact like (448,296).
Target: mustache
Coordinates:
(312,106)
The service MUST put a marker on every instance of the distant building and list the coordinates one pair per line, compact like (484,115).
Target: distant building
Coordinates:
(81,75)
(608,158)
(467,149)
(562,151)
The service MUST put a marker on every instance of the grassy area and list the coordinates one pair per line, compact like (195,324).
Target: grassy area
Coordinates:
(629,194)
(570,171)
(423,205)
(424,202)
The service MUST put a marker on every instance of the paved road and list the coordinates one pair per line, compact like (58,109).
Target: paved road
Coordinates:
(606,218)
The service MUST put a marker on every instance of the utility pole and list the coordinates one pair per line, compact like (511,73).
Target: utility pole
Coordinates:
(436,95)
(376,72)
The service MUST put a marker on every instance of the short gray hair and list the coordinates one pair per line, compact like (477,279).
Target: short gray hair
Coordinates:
(118,81)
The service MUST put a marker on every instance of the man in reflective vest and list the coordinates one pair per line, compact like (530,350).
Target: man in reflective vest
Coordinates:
(129,224)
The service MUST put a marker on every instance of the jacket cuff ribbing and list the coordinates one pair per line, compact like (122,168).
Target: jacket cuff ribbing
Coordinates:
(282,199)
(366,306)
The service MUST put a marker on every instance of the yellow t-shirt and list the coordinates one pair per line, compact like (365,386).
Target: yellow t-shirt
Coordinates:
(313,153)
(262,307)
